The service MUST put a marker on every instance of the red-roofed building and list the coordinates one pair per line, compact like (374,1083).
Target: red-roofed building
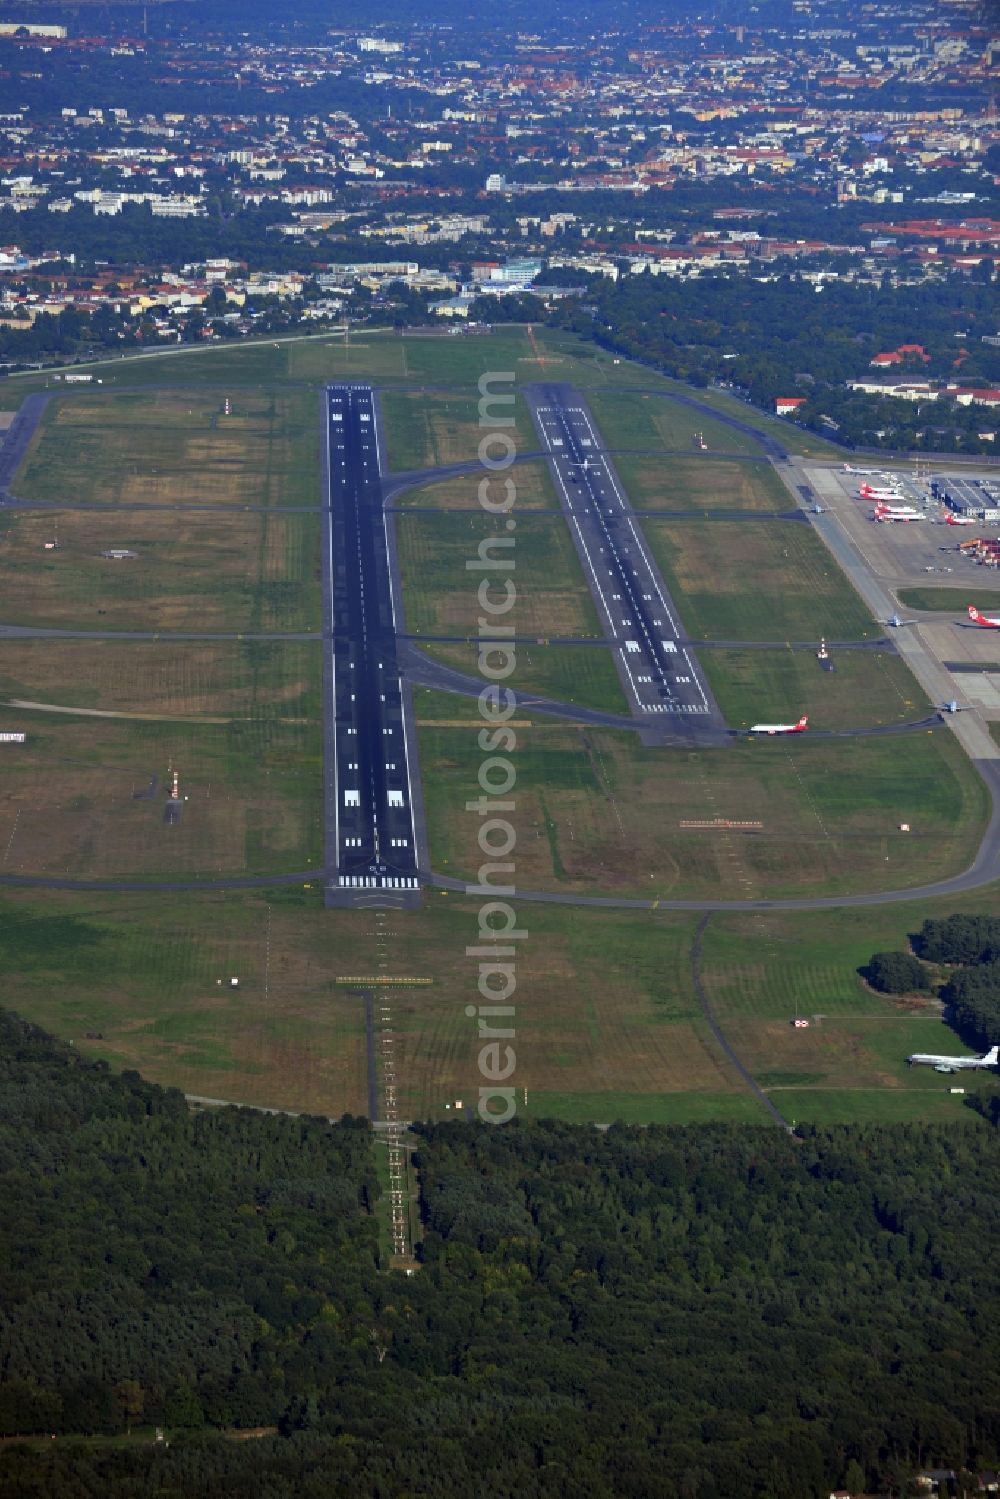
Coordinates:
(785,405)
(976,397)
(896,356)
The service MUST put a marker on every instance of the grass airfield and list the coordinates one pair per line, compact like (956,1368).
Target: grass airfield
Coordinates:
(609,1021)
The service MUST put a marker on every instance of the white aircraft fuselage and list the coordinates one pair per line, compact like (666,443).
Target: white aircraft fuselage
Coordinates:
(954,1064)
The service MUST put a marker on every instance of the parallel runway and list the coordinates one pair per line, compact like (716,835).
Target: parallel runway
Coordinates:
(18,438)
(659,674)
(370,831)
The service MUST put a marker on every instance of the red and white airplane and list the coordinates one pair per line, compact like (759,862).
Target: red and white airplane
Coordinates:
(880,492)
(897,513)
(779,728)
(988,621)
(951,519)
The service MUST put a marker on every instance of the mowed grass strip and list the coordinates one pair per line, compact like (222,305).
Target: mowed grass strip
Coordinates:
(604,1008)
(72,803)
(143,981)
(699,484)
(192,571)
(643,1108)
(313,360)
(599,812)
(877,1105)
(582,362)
(462,359)
(951,600)
(865,689)
(606,1023)
(237,679)
(639,420)
(429,429)
(175,447)
(440,592)
(772,963)
(761,970)
(850,1056)
(756,580)
(533,490)
(583,676)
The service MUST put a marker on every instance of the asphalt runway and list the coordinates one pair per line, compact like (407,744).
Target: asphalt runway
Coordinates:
(370,835)
(19,435)
(658,674)
(984,870)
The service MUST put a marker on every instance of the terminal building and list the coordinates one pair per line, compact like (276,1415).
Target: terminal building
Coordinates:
(973,499)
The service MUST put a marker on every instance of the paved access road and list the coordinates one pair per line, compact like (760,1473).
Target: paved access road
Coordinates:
(658,674)
(371,843)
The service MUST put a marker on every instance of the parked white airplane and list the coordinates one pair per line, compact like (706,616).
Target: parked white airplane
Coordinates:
(889,513)
(954,1064)
(880,492)
(960,520)
(779,728)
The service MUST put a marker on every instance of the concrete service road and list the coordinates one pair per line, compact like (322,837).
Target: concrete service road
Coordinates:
(659,675)
(371,844)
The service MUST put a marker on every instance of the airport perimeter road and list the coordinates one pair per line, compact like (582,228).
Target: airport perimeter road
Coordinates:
(370,837)
(658,674)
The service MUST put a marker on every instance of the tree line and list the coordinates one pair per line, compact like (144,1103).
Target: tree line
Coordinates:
(785,337)
(720,1312)
(959,957)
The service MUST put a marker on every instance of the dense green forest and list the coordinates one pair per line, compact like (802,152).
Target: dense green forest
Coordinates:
(970,946)
(661,1313)
(786,338)
(965,950)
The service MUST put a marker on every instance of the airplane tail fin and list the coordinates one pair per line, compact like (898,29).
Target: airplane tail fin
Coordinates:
(991,1055)
(803,721)
(974,613)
